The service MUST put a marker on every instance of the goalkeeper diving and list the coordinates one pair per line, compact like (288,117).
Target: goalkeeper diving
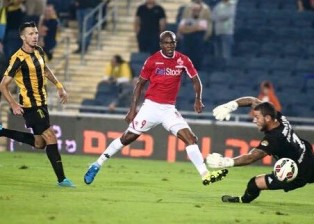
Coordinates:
(280,141)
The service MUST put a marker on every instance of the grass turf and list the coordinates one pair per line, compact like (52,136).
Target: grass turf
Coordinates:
(137,191)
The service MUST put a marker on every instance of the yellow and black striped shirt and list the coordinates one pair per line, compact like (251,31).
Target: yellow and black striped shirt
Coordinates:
(28,71)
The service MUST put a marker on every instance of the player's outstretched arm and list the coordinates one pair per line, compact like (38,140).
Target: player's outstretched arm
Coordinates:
(222,112)
(216,160)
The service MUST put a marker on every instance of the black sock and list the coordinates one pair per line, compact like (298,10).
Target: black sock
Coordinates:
(55,160)
(251,192)
(24,137)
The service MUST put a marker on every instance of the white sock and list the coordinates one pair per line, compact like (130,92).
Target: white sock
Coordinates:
(114,147)
(196,157)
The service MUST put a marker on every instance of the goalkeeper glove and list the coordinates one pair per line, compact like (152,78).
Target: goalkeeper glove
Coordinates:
(222,112)
(215,160)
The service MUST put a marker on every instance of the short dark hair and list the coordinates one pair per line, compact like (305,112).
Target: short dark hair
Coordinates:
(25,25)
(266,108)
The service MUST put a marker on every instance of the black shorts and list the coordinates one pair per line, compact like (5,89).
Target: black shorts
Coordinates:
(305,175)
(37,118)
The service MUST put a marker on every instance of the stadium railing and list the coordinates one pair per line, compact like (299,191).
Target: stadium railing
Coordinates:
(97,12)
(63,60)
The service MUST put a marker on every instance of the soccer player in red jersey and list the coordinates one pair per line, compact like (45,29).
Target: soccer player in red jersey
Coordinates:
(163,71)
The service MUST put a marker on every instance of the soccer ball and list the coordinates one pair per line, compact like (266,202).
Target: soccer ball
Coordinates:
(285,170)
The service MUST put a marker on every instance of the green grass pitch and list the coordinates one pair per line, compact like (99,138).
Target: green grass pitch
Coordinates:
(137,191)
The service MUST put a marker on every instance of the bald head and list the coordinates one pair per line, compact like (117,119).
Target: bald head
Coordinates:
(167,33)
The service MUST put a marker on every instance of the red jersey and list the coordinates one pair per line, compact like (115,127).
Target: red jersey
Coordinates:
(164,76)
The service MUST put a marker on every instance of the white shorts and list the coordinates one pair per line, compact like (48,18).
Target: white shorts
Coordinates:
(152,114)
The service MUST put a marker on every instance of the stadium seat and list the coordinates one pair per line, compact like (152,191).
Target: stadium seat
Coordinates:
(247,5)
(241,81)
(286,65)
(139,57)
(87,102)
(221,77)
(247,48)
(294,35)
(302,110)
(263,34)
(310,51)
(292,83)
(288,5)
(308,34)
(304,66)
(243,34)
(270,49)
(185,91)
(107,88)
(262,63)
(256,21)
(136,68)
(268,5)
(292,51)
(172,27)
(237,63)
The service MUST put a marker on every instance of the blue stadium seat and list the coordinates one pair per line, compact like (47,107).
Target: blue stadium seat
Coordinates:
(310,51)
(268,5)
(262,63)
(294,35)
(136,68)
(241,80)
(203,75)
(185,103)
(279,21)
(139,57)
(255,21)
(172,27)
(270,49)
(87,102)
(247,48)
(308,34)
(301,110)
(263,34)
(286,65)
(236,63)
(185,91)
(239,91)
(290,5)
(292,51)
(292,83)
(106,92)
(304,19)
(247,5)
(304,66)
(221,77)
(243,34)
(107,88)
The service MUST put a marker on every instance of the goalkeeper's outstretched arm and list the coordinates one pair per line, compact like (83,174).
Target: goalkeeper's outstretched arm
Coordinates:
(216,160)
(251,157)
(247,101)
(222,112)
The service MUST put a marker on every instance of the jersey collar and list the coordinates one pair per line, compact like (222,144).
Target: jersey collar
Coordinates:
(174,54)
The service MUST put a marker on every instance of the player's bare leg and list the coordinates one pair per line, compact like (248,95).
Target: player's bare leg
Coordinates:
(115,146)
(196,158)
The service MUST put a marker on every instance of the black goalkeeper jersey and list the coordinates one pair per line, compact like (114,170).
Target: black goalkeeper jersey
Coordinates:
(283,142)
